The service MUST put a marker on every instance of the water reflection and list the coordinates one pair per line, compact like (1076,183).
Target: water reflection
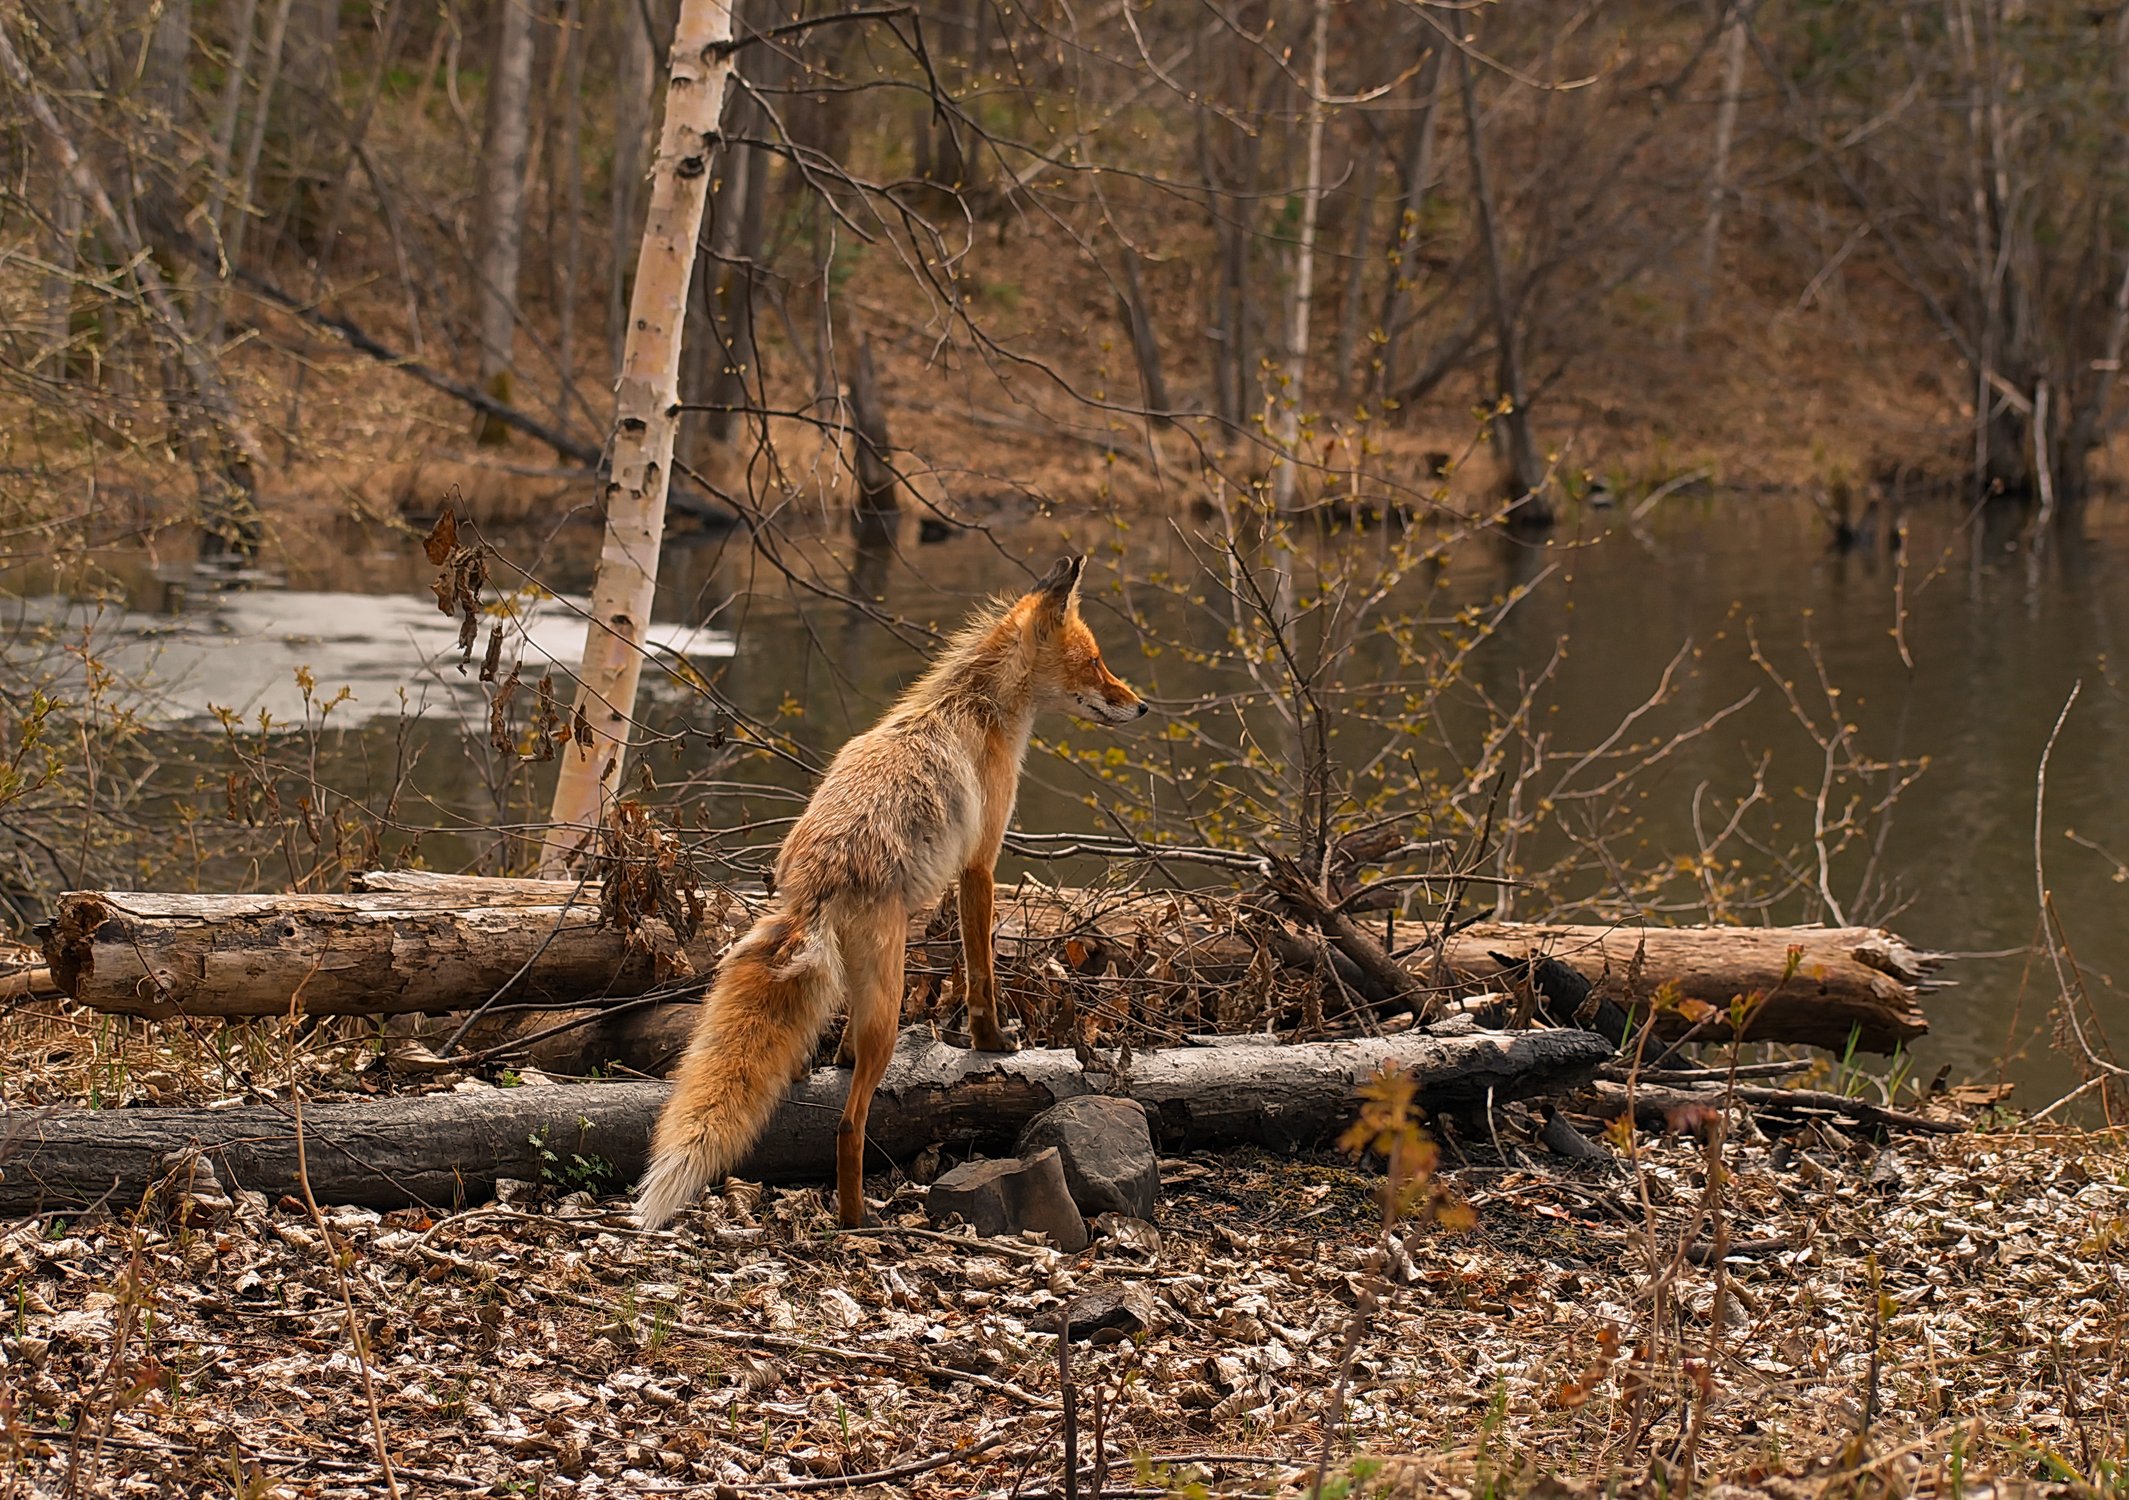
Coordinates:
(1994,634)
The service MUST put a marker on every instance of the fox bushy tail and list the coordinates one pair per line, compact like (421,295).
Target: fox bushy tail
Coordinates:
(773,993)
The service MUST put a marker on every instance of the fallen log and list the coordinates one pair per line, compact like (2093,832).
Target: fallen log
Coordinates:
(1177,960)
(24,975)
(381,952)
(1664,1107)
(445,1149)
(1820,985)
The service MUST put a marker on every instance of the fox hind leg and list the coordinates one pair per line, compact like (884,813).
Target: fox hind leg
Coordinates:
(872,963)
(978,963)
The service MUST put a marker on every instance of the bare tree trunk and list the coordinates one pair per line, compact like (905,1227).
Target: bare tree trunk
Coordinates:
(1415,177)
(644,425)
(2088,425)
(740,219)
(1358,228)
(338,197)
(700,356)
(1511,428)
(501,230)
(310,115)
(149,184)
(247,180)
(632,128)
(1287,400)
(877,504)
(207,312)
(1733,79)
(1231,322)
(719,351)
(739,375)
(59,281)
(1987,264)
(1229,203)
(721,322)
(1145,344)
(2043,464)
(165,88)
(575,37)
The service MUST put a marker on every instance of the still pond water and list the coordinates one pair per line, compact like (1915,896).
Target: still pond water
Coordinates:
(1997,637)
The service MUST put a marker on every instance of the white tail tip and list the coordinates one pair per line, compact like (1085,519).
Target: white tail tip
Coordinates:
(670,1184)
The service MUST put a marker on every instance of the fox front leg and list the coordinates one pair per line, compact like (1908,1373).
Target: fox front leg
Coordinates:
(977,964)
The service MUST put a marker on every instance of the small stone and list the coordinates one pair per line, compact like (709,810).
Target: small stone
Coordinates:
(1011,1196)
(1109,1161)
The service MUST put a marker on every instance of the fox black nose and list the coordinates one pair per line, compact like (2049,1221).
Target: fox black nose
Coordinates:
(1144,709)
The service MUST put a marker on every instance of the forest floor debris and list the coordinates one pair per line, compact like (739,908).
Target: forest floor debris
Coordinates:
(1903,1319)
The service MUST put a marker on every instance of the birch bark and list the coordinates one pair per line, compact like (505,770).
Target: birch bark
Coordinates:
(645,420)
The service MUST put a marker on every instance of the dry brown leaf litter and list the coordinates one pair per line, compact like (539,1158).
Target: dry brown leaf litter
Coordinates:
(549,1349)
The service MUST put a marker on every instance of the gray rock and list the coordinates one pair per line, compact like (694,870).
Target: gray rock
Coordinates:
(1562,1139)
(1011,1196)
(1108,1314)
(1109,1161)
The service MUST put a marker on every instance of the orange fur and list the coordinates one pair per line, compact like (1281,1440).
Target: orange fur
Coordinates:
(916,803)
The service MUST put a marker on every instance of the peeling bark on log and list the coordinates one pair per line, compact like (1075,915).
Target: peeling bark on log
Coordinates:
(415,942)
(448,1148)
(1859,982)
(383,953)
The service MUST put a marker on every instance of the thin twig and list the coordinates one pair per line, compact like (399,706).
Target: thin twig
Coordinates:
(2046,900)
(357,1340)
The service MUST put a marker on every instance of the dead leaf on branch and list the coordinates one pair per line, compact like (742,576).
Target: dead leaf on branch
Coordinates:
(645,871)
(442,539)
(462,572)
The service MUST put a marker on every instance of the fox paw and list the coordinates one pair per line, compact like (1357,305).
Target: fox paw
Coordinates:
(864,1219)
(984,1036)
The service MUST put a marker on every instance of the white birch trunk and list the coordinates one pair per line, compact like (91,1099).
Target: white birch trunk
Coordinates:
(502,203)
(1286,402)
(644,425)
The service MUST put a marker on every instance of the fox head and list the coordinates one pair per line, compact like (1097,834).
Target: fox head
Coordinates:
(1068,670)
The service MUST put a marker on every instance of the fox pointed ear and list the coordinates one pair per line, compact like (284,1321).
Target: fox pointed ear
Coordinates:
(1057,588)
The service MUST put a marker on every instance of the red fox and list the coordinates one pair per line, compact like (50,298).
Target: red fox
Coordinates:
(918,800)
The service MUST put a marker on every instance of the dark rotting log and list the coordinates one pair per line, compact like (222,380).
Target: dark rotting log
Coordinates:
(447,1148)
